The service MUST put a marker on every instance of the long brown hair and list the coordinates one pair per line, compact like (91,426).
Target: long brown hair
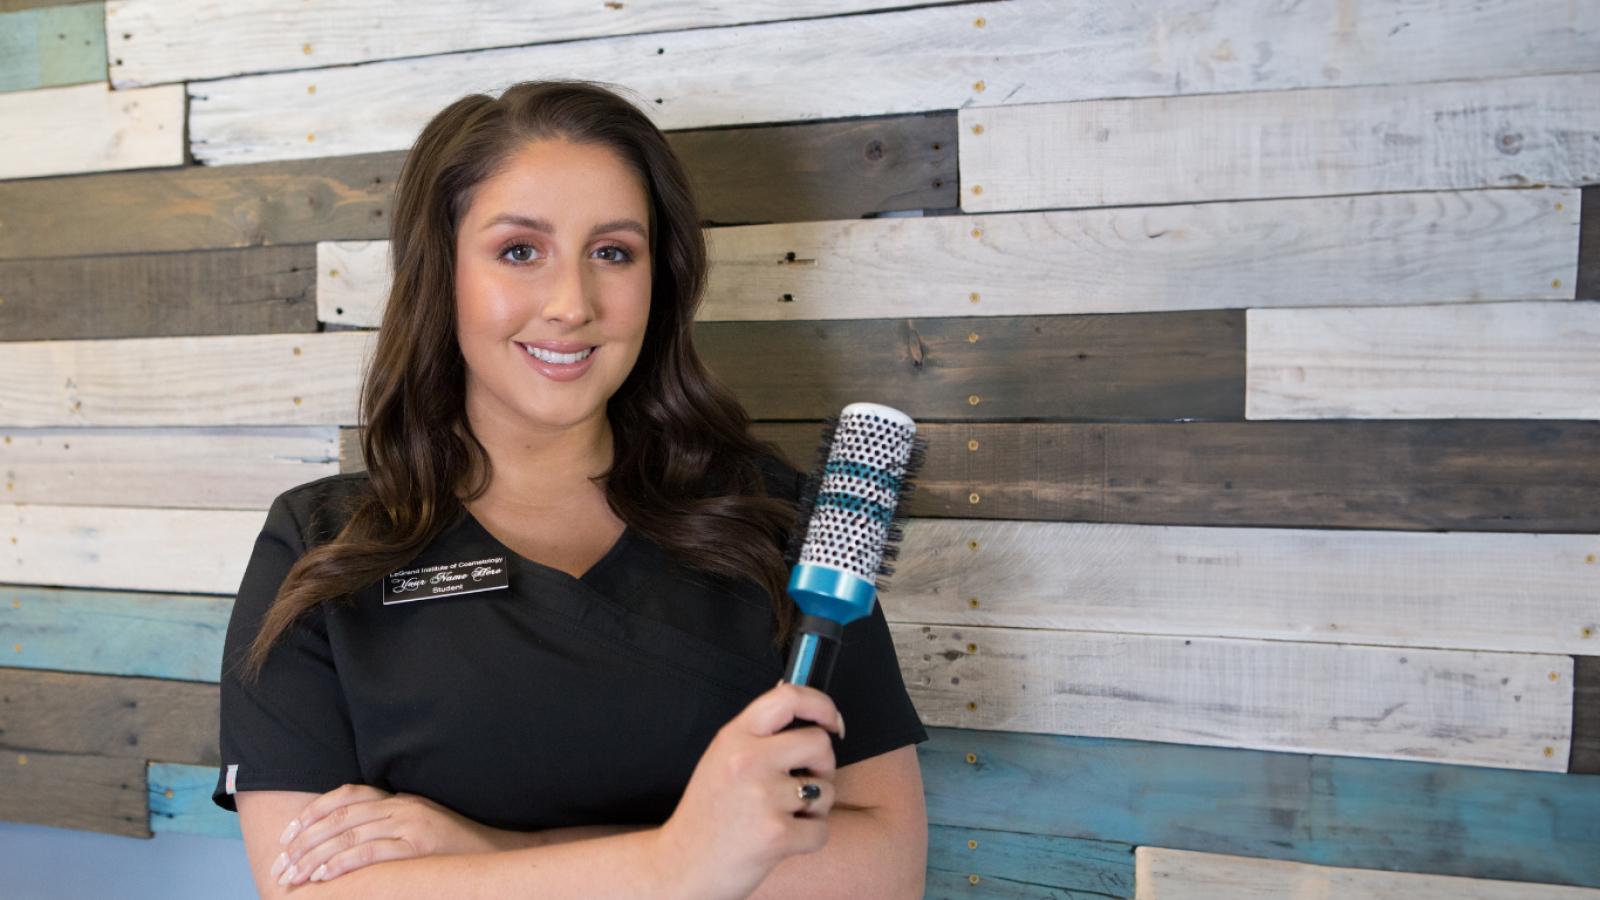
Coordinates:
(684,472)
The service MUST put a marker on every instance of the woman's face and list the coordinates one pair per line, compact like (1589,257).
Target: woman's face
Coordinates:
(553,249)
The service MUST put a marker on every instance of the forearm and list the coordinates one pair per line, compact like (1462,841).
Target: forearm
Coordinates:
(502,839)
(615,865)
(866,856)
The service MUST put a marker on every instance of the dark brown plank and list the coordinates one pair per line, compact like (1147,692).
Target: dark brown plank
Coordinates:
(1589,245)
(1454,474)
(108,716)
(1585,756)
(64,790)
(256,290)
(822,170)
(1164,365)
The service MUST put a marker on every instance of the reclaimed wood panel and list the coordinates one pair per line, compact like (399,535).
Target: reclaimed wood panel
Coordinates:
(69,790)
(110,717)
(172,636)
(1371,250)
(1164,874)
(819,170)
(208,468)
(1475,821)
(1588,287)
(180,801)
(191,40)
(259,290)
(987,54)
(1585,715)
(1531,593)
(1504,710)
(984,863)
(1513,132)
(1139,365)
(1536,360)
(130,548)
(88,128)
(52,46)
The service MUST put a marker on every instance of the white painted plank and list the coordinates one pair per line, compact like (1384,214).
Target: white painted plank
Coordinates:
(209,468)
(189,40)
(266,379)
(1163,874)
(1433,247)
(89,128)
(1453,590)
(1536,360)
(1509,710)
(1510,132)
(133,548)
(984,54)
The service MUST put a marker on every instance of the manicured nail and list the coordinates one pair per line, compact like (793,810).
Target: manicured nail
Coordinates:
(288,875)
(321,874)
(279,863)
(292,829)
(841,726)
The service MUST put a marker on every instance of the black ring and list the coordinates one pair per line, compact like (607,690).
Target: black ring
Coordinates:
(809,791)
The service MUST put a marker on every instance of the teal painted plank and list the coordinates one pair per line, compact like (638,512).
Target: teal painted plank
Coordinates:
(180,800)
(57,45)
(1473,821)
(174,636)
(1008,864)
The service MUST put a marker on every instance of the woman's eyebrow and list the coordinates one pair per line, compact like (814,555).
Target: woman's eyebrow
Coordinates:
(541,224)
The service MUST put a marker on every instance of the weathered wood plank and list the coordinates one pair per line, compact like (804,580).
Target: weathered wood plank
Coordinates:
(1585,715)
(1369,250)
(1021,52)
(1589,246)
(88,128)
(260,290)
(190,40)
(1139,365)
(1530,593)
(803,172)
(1504,710)
(171,636)
(180,801)
(1007,864)
(1164,874)
(1475,821)
(132,548)
(64,790)
(212,468)
(52,46)
(107,716)
(1536,360)
(1513,132)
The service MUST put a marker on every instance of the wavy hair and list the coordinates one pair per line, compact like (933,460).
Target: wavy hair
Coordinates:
(684,472)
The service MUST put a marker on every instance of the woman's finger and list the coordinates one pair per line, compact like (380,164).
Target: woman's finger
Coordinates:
(364,854)
(774,710)
(804,748)
(326,803)
(793,801)
(332,830)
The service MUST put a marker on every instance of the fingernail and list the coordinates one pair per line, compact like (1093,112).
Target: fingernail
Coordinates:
(292,829)
(279,863)
(841,726)
(321,873)
(288,875)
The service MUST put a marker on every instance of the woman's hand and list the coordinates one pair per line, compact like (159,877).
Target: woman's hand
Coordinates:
(741,813)
(356,825)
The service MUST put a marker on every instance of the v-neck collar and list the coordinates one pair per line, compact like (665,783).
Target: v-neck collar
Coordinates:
(587,577)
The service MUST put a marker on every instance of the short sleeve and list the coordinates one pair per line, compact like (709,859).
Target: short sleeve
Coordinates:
(290,729)
(866,684)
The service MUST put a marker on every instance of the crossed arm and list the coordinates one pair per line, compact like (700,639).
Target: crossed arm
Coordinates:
(877,847)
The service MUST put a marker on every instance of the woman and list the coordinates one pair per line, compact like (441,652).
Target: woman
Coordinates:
(532,648)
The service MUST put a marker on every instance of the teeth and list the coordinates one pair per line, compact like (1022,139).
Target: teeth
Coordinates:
(562,359)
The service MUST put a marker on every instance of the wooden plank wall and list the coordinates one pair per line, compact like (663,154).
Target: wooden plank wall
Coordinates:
(1258,548)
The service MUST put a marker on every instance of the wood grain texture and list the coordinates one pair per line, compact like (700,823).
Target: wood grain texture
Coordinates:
(180,801)
(1513,132)
(985,863)
(1537,360)
(1164,874)
(70,790)
(116,718)
(172,636)
(207,468)
(1474,821)
(132,548)
(1585,715)
(1530,593)
(88,128)
(819,170)
(1503,710)
(1588,287)
(1017,52)
(260,290)
(52,46)
(1382,249)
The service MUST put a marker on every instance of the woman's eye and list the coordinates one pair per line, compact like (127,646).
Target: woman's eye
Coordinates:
(625,256)
(512,247)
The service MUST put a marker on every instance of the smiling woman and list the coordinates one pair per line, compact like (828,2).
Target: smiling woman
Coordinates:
(570,674)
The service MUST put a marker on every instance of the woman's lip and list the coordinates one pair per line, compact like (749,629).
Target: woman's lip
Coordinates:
(559,372)
(556,346)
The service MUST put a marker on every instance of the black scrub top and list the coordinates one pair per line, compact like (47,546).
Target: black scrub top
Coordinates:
(558,701)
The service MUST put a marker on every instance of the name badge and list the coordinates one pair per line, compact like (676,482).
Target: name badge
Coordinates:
(467,577)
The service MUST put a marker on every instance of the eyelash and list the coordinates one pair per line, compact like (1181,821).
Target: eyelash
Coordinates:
(627,256)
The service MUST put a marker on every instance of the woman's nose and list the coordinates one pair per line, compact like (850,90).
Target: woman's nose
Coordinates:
(568,296)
